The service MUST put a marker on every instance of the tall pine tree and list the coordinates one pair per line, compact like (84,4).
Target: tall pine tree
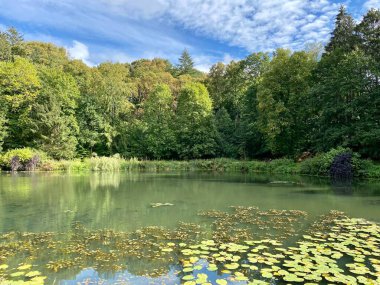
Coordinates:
(369,34)
(186,63)
(343,37)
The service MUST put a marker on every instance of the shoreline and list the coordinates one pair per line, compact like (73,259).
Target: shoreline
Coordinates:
(368,171)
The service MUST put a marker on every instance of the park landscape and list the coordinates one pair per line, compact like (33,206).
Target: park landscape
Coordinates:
(261,170)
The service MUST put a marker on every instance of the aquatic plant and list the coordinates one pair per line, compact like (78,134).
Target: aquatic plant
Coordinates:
(334,249)
(104,163)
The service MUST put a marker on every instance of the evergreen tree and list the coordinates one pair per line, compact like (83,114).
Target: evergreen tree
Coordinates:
(343,37)
(186,64)
(346,103)
(369,34)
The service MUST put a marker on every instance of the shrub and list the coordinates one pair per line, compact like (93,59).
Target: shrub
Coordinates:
(66,165)
(131,164)
(22,159)
(283,166)
(341,167)
(321,163)
(367,169)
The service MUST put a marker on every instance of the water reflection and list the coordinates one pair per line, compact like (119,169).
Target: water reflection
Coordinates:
(39,202)
(105,180)
(343,188)
(91,276)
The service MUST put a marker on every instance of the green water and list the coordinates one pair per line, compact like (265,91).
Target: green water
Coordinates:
(53,202)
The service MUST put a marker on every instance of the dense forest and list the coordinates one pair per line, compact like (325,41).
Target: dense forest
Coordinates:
(264,106)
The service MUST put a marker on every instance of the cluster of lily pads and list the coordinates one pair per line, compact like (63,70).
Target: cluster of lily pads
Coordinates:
(246,223)
(348,254)
(244,246)
(103,250)
(24,271)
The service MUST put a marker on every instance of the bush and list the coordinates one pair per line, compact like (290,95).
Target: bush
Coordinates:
(368,169)
(69,165)
(321,163)
(341,168)
(22,159)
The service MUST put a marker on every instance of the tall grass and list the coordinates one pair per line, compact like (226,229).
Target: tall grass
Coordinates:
(104,163)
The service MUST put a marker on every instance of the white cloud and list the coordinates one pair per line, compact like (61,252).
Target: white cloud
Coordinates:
(99,20)
(79,51)
(203,62)
(372,4)
(256,25)
(151,27)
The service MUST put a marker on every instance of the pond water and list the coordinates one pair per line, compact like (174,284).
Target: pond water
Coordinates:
(136,228)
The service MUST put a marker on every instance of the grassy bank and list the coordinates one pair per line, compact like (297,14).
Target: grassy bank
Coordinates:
(318,165)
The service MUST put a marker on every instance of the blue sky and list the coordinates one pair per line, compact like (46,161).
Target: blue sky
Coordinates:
(212,30)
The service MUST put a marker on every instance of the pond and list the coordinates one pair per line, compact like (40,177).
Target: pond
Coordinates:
(187,228)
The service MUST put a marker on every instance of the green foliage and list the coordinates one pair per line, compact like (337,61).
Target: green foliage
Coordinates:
(253,142)
(346,99)
(281,96)
(95,132)
(225,127)
(53,114)
(19,87)
(196,131)
(230,86)
(46,54)
(11,44)
(3,129)
(369,169)
(74,165)
(24,154)
(343,37)
(186,64)
(259,107)
(320,164)
(105,163)
(158,117)
(368,31)
(146,74)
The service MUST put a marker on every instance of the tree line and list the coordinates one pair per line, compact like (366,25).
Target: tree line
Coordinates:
(266,105)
